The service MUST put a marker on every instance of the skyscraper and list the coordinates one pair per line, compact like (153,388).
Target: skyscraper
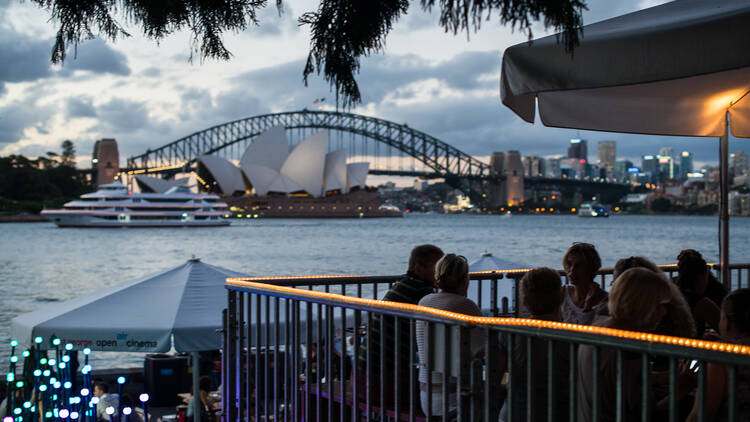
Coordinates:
(686,164)
(666,152)
(739,163)
(577,149)
(607,154)
(650,164)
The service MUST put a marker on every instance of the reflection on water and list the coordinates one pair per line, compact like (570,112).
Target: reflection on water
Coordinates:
(40,263)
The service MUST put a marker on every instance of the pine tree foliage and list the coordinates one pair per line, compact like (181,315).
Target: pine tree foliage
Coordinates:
(342,31)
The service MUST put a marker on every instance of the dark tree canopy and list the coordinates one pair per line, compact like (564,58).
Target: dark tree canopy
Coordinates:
(342,31)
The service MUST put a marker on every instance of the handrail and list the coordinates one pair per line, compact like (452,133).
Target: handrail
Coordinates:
(631,340)
(333,279)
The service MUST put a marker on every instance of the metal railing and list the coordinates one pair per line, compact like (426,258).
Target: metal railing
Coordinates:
(295,351)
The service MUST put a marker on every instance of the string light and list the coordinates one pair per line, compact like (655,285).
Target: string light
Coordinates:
(378,304)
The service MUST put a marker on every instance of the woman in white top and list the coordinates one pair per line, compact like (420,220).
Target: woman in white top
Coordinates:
(452,274)
(583,300)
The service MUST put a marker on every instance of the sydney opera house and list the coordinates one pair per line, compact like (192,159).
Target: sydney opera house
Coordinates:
(274,180)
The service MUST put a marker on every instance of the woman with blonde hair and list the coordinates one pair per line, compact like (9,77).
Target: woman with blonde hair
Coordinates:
(583,301)
(452,277)
(639,300)
(679,319)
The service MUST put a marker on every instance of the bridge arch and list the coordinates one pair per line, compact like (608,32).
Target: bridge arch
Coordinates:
(441,158)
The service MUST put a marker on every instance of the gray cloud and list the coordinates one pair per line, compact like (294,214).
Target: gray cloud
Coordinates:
(271,23)
(96,56)
(20,115)
(123,116)
(76,107)
(151,72)
(23,59)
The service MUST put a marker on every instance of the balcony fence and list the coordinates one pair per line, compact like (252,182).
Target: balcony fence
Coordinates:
(324,349)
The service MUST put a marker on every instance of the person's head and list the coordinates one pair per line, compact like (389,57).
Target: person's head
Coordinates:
(204,383)
(692,271)
(633,262)
(422,261)
(581,262)
(639,297)
(452,274)
(735,314)
(100,389)
(540,291)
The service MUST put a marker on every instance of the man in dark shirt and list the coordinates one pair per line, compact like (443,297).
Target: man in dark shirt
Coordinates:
(418,282)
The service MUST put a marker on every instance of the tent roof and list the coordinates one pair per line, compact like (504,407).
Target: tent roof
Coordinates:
(184,302)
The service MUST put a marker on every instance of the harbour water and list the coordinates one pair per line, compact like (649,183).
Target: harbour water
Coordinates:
(40,263)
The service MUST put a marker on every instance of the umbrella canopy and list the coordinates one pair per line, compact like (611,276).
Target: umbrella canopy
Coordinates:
(181,305)
(681,68)
(674,69)
(482,294)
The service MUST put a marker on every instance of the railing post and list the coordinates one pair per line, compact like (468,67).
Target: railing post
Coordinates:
(468,393)
(231,385)
(492,376)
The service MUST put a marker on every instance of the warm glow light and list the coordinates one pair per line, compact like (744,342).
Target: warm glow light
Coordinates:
(510,322)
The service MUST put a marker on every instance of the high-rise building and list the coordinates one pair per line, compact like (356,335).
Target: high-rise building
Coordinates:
(552,167)
(739,163)
(607,154)
(686,164)
(650,165)
(620,172)
(105,161)
(666,152)
(532,166)
(577,149)
(666,168)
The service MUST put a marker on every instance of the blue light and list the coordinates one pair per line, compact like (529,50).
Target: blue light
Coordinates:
(121,380)
(42,387)
(25,353)
(13,343)
(10,377)
(56,342)
(69,346)
(67,384)
(86,351)
(43,361)
(66,358)
(37,340)
(14,359)
(84,392)
(26,404)
(46,372)
(38,373)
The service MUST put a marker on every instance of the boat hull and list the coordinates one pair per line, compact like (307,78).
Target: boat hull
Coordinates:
(67,220)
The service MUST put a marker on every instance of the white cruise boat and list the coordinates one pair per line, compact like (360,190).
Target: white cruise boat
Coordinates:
(114,206)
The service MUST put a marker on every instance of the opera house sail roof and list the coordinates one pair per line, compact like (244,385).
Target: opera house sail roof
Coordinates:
(270,166)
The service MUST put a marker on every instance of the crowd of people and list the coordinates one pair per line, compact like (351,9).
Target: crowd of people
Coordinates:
(641,298)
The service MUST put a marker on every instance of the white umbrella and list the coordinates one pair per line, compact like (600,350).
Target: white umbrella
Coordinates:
(681,68)
(505,287)
(180,306)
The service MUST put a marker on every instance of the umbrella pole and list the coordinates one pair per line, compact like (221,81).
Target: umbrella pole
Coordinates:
(724,205)
(196,387)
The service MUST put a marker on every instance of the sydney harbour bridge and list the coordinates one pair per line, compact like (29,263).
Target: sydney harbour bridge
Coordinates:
(392,149)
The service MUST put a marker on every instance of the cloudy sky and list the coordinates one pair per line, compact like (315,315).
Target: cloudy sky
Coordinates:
(146,94)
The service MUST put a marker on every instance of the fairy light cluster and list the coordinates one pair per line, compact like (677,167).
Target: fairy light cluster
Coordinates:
(50,386)
(508,322)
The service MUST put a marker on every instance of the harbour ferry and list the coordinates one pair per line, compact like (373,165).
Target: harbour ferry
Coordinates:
(114,206)
(592,209)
